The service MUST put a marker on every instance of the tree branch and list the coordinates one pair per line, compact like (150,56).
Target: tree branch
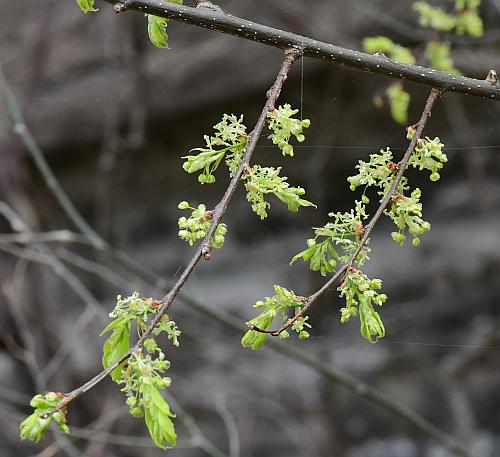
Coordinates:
(419,128)
(273,93)
(226,23)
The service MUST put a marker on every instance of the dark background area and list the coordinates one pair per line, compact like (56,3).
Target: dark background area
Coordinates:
(114,115)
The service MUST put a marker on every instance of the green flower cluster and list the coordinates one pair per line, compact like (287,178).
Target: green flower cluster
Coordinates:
(142,380)
(284,126)
(276,306)
(429,155)
(140,375)
(337,241)
(229,142)
(197,225)
(378,171)
(361,294)
(407,212)
(261,181)
(34,426)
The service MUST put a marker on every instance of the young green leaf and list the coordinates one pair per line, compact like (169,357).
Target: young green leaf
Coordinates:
(157,31)
(341,239)
(262,181)
(34,427)
(399,101)
(117,344)
(158,418)
(229,143)
(87,6)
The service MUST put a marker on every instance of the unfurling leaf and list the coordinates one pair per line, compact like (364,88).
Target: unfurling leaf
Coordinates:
(158,418)
(34,426)
(117,344)
(87,6)
(157,31)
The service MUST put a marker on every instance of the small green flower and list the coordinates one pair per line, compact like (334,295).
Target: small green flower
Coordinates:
(228,143)
(361,294)
(276,306)
(197,225)
(262,181)
(284,126)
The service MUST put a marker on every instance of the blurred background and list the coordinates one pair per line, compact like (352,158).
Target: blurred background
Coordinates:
(113,115)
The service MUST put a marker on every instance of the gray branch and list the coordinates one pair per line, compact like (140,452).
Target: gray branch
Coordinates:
(378,63)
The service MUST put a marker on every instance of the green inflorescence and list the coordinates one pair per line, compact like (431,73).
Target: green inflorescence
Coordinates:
(335,242)
(262,181)
(284,126)
(361,294)
(196,226)
(141,375)
(276,306)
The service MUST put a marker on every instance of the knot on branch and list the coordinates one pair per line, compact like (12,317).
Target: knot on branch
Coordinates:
(206,252)
(492,77)
(294,52)
(119,7)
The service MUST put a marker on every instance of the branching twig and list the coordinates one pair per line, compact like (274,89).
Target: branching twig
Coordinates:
(355,385)
(226,23)
(204,249)
(419,128)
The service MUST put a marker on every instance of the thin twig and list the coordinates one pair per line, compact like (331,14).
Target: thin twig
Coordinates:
(226,23)
(419,128)
(204,250)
